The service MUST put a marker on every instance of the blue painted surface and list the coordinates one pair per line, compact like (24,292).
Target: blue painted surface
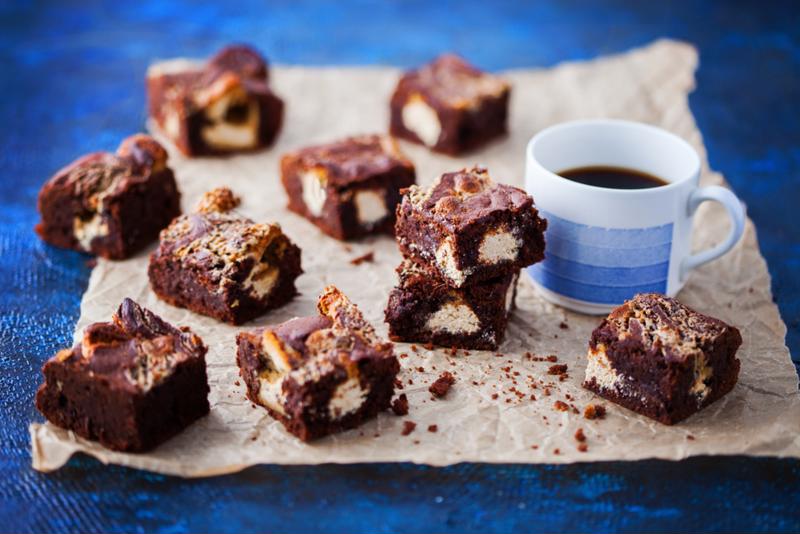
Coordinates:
(71,82)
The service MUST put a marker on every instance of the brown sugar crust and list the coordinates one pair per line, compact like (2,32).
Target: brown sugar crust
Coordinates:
(110,205)
(130,384)
(669,360)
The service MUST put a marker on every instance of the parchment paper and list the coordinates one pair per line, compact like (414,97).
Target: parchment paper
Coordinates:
(761,416)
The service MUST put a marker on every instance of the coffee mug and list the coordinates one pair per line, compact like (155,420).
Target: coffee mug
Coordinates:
(605,245)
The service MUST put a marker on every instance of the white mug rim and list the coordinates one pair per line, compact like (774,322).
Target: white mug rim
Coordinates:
(650,129)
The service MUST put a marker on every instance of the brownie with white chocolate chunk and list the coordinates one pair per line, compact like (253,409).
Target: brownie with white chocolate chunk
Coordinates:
(469,228)
(659,358)
(110,205)
(130,384)
(424,309)
(449,106)
(348,188)
(224,265)
(321,374)
(221,106)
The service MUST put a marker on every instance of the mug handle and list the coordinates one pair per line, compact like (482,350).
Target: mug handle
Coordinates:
(736,212)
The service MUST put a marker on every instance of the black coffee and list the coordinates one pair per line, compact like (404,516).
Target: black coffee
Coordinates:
(612,177)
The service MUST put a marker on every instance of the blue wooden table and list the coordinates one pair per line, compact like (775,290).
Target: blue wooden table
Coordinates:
(71,82)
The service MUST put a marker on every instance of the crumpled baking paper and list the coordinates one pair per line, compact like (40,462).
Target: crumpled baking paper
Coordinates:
(480,420)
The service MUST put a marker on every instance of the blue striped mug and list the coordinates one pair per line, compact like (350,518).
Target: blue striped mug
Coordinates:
(605,245)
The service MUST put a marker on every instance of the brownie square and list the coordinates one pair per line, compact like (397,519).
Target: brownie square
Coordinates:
(321,374)
(222,106)
(659,358)
(110,205)
(424,309)
(348,188)
(449,106)
(130,384)
(224,265)
(469,228)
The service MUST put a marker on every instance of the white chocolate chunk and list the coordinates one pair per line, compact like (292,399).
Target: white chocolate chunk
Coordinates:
(314,194)
(454,318)
(420,118)
(447,263)
(498,246)
(227,135)
(86,231)
(270,389)
(599,369)
(261,280)
(370,206)
(702,373)
(270,394)
(347,398)
(172,125)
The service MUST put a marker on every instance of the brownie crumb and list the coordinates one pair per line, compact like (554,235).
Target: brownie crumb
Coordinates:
(494,396)
(428,346)
(558,369)
(552,358)
(369,257)
(556,451)
(442,384)
(221,199)
(560,406)
(582,447)
(400,405)
(563,326)
(408,427)
(433,428)
(237,383)
(579,435)
(690,437)
(594,411)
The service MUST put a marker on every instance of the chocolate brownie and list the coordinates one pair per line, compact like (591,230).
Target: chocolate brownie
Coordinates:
(449,106)
(349,188)
(224,265)
(321,374)
(111,205)
(222,106)
(424,309)
(470,228)
(657,357)
(130,384)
